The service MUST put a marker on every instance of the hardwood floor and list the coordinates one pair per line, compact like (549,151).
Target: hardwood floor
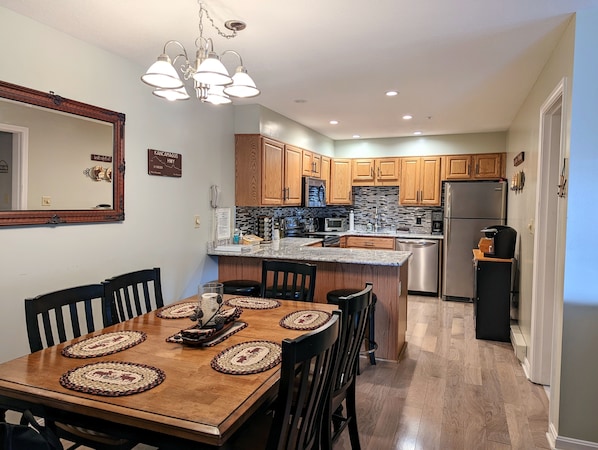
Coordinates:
(449,391)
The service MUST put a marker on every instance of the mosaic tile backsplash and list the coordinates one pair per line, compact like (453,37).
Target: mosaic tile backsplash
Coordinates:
(367,201)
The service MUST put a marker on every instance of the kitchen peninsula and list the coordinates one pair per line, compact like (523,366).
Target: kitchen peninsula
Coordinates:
(338,268)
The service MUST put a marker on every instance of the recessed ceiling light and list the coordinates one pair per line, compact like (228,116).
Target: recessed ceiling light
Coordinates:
(407,117)
(334,122)
(417,133)
(391,93)
(356,136)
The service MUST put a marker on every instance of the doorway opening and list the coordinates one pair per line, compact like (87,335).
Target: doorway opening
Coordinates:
(549,240)
(14,145)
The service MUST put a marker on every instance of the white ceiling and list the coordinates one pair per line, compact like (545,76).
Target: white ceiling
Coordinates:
(460,66)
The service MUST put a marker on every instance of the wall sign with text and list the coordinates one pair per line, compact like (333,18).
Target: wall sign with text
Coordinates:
(165,164)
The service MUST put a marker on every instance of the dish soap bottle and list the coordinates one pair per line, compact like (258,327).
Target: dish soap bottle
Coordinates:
(351,221)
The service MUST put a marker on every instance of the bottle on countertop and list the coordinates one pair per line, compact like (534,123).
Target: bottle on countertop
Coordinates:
(237,236)
(351,221)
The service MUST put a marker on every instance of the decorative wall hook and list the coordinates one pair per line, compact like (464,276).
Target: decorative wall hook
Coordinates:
(99,173)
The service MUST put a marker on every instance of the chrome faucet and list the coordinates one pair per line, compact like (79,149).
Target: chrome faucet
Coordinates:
(376,220)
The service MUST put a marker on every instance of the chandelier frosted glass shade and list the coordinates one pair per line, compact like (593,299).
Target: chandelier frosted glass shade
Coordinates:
(212,72)
(172,94)
(216,96)
(162,74)
(243,85)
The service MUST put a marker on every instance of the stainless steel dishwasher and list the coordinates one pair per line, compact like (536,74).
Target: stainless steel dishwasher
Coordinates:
(423,265)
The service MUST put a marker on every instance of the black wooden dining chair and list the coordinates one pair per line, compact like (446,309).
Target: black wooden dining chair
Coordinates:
(59,316)
(132,294)
(296,418)
(354,314)
(288,280)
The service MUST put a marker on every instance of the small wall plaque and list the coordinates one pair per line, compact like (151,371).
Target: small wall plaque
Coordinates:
(103,158)
(519,159)
(165,164)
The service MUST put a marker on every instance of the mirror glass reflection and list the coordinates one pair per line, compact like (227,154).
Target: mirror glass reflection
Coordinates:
(46,162)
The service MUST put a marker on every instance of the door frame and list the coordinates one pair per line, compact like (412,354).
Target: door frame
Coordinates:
(20,155)
(547,280)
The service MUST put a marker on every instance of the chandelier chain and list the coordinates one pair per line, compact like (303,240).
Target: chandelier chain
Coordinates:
(203,10)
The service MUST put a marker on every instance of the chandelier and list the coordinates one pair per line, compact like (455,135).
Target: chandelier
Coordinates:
(211,80)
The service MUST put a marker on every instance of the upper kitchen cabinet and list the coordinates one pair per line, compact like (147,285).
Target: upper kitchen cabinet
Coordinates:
(375,172)
(340,182)
(267,172)
(312,163)
(420,181)
(483,166)
(325,175)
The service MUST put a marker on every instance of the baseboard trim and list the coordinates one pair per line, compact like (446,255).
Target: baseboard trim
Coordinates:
(565,443)
(526,368)
(518,343)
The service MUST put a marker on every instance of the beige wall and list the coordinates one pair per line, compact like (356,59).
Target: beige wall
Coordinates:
(523,136)
(256,119)
(159,227)
(422,146)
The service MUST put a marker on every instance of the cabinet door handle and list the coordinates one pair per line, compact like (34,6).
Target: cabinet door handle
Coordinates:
(372,172)
(378,171)
(477,169)
(468,169)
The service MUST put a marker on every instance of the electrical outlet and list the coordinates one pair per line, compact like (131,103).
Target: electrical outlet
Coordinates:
(196,221)
(418,220)
(46,200)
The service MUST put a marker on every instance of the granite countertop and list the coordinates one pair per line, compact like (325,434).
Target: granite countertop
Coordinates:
(299,249)
(395,234)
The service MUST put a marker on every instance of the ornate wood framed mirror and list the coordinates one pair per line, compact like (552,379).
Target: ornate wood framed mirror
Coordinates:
(61,161)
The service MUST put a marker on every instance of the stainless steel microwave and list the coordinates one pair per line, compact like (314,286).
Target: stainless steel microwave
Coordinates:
(335,224)
(314,192)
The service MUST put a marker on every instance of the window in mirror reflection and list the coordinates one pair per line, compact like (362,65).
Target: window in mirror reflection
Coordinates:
(45,170)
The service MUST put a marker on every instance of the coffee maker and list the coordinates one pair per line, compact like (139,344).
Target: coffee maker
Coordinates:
(436,222)
(499,242)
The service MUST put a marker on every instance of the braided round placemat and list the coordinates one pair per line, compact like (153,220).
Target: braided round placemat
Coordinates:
(248,357)
(112,378)
(104,344)
(305,320)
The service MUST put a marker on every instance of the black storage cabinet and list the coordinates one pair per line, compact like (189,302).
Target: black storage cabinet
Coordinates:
(492,305)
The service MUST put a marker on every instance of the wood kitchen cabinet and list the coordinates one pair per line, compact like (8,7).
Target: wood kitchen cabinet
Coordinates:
(420,181)
(340,182)
(325,175)
(267,172)
(312,163)
(482,166)
(371,242)
(375,172)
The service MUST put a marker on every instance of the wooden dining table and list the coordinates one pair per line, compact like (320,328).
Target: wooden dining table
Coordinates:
(194,404)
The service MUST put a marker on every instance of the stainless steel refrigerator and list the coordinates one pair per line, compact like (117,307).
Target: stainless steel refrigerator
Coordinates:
(469,206)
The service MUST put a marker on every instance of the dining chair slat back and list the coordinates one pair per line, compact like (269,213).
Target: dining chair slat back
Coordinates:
(59,327)
(307,367)
(288,280)
(354,314)
(132,294)
(78,301)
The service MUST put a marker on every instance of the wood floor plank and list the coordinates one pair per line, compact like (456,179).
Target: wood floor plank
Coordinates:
(450,390)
